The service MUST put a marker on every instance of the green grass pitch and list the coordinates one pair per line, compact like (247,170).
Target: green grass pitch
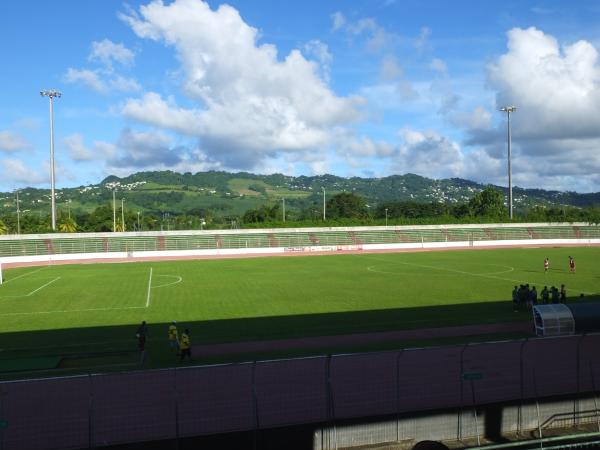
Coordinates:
(86,308)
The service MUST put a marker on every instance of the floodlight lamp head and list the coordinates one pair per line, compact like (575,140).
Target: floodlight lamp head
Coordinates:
(508,109)
(50,93)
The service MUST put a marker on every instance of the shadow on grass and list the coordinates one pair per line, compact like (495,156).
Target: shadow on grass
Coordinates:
(85,342)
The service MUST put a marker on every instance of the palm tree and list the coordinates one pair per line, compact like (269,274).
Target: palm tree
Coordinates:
(67,225)
(3,227)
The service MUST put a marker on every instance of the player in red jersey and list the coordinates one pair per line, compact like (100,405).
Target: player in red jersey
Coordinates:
(571,264)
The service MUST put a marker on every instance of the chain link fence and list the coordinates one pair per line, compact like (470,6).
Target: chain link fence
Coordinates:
(104,409)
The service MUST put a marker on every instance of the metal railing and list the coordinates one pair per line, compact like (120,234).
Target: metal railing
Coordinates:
(25,245)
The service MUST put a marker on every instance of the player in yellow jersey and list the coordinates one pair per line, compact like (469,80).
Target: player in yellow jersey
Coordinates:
(173,336)
(185,345)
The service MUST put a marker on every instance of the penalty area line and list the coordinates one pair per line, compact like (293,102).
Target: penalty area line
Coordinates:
(149,288)
(33,313)
(42,287)
(23,275)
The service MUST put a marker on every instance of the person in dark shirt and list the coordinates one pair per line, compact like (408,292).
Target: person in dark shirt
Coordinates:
(533,296)
(141,334)
(515,299)
(185,345)
(554,294)
(563,294)
(545,295)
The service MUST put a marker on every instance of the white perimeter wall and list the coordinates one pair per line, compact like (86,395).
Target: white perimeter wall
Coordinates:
(132,256)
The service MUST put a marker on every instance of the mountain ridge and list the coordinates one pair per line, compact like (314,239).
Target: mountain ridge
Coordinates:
(232,193)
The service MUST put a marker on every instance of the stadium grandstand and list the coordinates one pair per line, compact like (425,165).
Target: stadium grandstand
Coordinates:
(302,238)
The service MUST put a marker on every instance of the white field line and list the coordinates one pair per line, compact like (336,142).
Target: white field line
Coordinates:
(149,288)
(177,277)
(513,280)
(24,275)
(510,269)
(70,311)
(32,292)
(42,287)
(33,313)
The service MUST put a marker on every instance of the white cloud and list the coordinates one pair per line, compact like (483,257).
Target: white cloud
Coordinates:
(477,119)
(392,75)
(250,105)
(353,147)
(133,150)
(107,52)
(11,142)
(123,84)
(104,79)
(143,150)
(422,42)
(339,21)
(16,171)
(137,150)
(439,66)
(556,129)
(320,51)
(153,110)
(390,69)
(376,35)
(93,79)
(75,146)
(429,153)
(556,89)
(89,78)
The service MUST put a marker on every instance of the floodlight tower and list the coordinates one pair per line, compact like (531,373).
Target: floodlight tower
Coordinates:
(324,206)
(508,110)
(18,214)
(123,214)
(114,212)
(51,93)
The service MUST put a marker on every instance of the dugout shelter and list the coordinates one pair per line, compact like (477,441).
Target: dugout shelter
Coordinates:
(565,319)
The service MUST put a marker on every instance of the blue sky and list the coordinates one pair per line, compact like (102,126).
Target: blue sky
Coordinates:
(353,88)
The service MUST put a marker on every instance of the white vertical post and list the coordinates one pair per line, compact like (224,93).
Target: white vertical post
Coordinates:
(324,207)
(508,110)
(52,173)
(114,212)
(18,215)
(51,94)
(510,194)
(122,214)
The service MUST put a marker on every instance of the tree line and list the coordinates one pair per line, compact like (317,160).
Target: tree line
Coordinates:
(341,209)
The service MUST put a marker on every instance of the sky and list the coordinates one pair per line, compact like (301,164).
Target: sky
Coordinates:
(365,88)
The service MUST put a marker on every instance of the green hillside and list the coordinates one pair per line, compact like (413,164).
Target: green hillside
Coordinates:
(225,197)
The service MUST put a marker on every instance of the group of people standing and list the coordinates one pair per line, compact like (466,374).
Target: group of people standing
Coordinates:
(526,296)
(571,264)
(180,343)
(523,295)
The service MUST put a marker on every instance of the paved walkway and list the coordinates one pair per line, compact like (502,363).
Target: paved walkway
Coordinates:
(358,339)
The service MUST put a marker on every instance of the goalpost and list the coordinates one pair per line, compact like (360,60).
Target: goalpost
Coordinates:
(1,279)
